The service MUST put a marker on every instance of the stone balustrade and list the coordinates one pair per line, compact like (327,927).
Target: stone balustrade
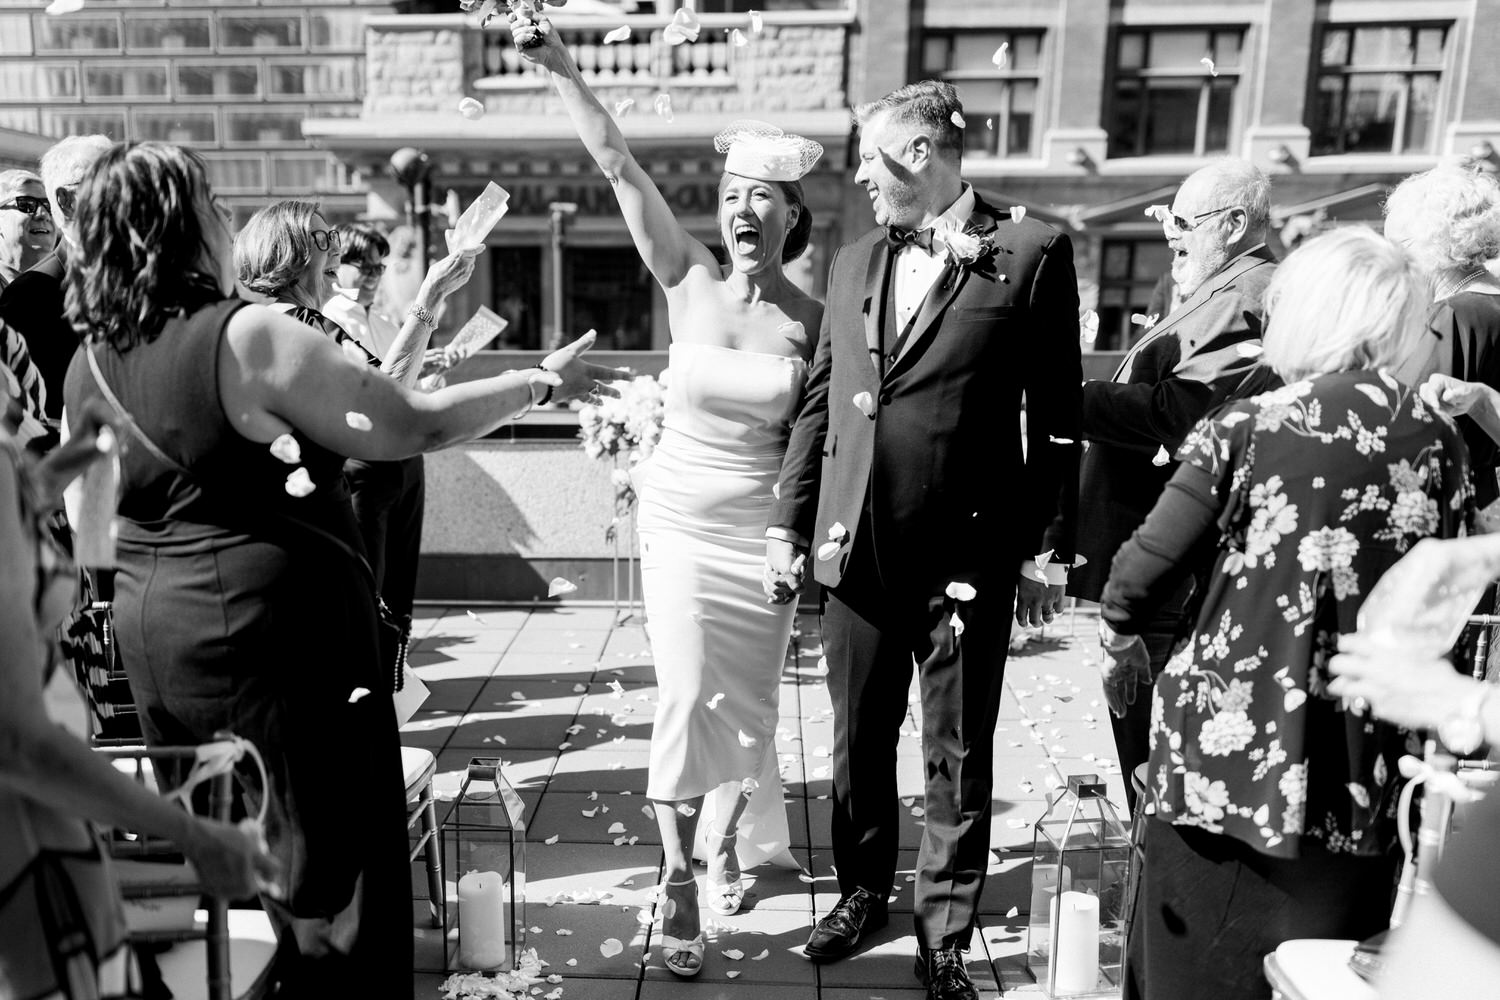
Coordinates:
(419,64)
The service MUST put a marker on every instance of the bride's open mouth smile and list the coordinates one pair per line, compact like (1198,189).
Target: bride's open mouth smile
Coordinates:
(746,239)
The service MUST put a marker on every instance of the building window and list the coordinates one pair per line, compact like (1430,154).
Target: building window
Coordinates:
(168,34)
(608,289)
(114,81)
(1166,99)
(20,119)
(516,277)
(65,123)
(199,128)
(328,78)
(1377,89)
(237,174)
(1129,270)
(65,34)
(207,81)
(15,35)
(282,31)
(29,81)
(1000,102)
(281,126)
(338,30)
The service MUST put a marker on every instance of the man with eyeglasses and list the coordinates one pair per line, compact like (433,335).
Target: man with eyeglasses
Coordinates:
(27,233)
(1191,362)
(32,304)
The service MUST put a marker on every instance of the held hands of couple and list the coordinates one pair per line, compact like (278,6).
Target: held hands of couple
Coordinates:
(1037,603)
(784,570)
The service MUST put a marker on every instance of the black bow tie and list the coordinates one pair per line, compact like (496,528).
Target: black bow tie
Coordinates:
(900,238)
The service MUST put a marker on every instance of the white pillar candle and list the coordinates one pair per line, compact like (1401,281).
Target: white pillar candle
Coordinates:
(1044,887)
(481,921)
(1075,962)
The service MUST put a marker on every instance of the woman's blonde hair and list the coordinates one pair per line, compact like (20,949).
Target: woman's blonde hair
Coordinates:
(1347,299)
(1453,215)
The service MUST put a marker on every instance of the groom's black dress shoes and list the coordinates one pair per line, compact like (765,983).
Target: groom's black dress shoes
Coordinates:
(942,971)
(838,934)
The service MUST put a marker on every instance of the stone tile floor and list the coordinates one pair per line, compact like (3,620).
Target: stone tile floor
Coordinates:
(533,686)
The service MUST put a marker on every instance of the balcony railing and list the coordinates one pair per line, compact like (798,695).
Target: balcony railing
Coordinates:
(426,63)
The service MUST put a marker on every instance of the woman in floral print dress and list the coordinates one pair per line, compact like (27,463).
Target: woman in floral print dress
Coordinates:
(1272,805)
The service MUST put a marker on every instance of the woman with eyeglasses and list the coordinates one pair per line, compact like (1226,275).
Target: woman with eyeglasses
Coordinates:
(242,600)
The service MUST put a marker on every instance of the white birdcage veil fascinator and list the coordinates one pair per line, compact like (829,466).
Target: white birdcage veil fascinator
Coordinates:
(764,152)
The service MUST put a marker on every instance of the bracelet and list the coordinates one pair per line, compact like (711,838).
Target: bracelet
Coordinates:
(547,395)
(421,314)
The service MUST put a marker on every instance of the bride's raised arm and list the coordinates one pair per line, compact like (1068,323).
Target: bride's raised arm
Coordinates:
(668,249)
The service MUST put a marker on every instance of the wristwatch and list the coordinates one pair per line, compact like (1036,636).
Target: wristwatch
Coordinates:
(1463,731)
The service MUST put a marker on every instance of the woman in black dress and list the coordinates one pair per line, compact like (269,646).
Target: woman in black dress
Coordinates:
(240,605)
(1271,806)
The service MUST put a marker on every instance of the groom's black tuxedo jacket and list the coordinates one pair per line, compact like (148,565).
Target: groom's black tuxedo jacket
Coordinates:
(939,461)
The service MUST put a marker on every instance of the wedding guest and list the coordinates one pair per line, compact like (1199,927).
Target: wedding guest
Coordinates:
(27,232)
(243,603)
(61,925)
(742,337)
(926,511)
(1270,804)
(32,304)
(1448,219)
(1184,367)
(290,254)
(1449,945)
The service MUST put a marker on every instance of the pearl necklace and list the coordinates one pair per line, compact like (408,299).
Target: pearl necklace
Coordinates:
(1468,279)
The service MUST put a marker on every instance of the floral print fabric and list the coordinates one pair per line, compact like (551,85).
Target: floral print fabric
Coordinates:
(1321,486)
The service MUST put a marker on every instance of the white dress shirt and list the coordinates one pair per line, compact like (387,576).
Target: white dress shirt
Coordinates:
(375,331)
(916,270)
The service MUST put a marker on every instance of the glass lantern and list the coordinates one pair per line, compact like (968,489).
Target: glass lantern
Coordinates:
(1079,862)
(484,839)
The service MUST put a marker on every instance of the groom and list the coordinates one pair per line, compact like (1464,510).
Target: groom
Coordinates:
(907,481)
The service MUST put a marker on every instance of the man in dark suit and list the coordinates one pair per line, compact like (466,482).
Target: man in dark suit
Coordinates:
(1191,362)
(907,479)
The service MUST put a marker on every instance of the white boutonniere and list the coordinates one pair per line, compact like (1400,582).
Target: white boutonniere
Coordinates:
(965,247)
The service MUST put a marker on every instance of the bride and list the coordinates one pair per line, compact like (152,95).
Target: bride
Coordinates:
(742,338)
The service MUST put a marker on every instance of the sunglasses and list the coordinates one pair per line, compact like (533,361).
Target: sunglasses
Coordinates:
(325,239)
(28,204)
(1177,222)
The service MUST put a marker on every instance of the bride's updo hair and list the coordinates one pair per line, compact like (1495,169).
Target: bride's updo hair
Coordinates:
(798,236)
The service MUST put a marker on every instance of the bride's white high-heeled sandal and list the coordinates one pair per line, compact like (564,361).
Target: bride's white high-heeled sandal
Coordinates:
(681,957)
(724,898)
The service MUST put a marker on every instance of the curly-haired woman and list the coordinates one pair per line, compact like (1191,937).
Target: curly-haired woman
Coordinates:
(241,602)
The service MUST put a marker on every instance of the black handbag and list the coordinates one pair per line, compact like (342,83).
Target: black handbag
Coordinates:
(393,631)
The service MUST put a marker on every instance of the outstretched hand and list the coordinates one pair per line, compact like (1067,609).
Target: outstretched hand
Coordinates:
(573,378)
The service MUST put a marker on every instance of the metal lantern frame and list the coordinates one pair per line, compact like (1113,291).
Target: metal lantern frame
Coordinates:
(486,831)
(1081,841)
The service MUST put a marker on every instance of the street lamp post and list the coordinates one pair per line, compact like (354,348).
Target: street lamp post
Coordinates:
(560,211)
(412,169)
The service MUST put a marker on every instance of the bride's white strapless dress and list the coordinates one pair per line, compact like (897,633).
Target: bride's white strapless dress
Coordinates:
(704,497)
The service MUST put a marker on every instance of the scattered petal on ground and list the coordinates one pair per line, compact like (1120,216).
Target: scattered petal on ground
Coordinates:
(1011,913)
(610,947)
(733,973)
(733,954)
(551,840)
(616,827)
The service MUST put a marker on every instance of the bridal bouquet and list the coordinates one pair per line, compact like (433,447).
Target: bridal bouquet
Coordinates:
(624,429)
